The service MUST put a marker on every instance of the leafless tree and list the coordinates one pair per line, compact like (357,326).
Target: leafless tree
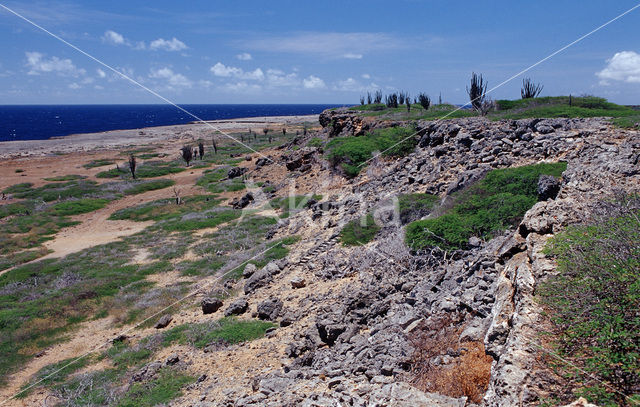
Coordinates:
(132,165)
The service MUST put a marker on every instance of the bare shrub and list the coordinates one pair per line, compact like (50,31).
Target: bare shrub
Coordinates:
(424,100)
(132,165)
(443,365)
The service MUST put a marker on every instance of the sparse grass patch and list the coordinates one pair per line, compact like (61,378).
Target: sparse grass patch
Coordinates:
(163,209)
(352,153)
(150,169)
(359,231)
(195,221)
(495,203)
(144,186)
(165,387)
(98,163)
(71,177)
(57,190)
(18,188)
(75,207)
(228,330)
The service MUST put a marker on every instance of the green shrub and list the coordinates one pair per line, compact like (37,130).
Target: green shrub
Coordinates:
(359,231)
(595,299)
(203,220)
(75,207)
(352,153)
(493,204)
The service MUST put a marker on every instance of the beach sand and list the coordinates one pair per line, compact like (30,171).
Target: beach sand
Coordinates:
(135,137)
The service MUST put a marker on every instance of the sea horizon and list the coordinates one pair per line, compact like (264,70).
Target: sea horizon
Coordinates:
(45,121)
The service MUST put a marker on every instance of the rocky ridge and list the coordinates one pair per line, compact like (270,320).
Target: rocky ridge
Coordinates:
(353,345)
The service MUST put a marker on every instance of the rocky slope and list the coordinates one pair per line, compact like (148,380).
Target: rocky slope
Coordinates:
(354,322)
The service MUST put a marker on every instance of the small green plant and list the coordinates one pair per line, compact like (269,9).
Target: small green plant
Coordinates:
(316,142)
(144,186)
(359,231)
(227,330)
(165,387)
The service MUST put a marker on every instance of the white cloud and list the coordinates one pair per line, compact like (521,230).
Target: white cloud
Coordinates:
(353,85)
(331,44)
(101,73)
(219,69)
(173,44)
(366,76)
(173,79)
(112,37)
(313,82)
(277,78)
(37,64)
(623,66)
(245,56)
(74,86)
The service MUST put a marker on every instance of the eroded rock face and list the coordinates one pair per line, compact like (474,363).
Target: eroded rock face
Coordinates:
(342,122)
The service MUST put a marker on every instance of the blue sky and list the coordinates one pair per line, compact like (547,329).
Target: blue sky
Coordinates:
(312,52)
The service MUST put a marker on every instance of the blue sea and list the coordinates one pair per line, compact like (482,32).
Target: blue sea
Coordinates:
(31,122)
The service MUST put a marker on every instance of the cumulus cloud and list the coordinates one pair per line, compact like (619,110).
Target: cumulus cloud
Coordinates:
(114,38)
(245,56)
(220,69)
(242,87)
(37,64)
(173,44)
(350,55)
(353,85)
(366,76)
(623,66)
(74,86)
(313,82)
(101,73)
(172,79)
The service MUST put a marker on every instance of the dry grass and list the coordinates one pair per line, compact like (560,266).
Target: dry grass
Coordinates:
(443,365)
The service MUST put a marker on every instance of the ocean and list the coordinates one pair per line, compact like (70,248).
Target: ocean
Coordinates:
(39,122)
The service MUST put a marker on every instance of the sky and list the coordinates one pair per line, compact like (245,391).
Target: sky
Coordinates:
(312,52)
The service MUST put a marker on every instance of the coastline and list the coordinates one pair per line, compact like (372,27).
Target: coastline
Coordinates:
(122,138)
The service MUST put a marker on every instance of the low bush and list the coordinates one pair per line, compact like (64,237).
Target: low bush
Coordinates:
(493,204)
(359,231)
(144,186)
(60,178)
(594,302)
(98,163)
(352,153)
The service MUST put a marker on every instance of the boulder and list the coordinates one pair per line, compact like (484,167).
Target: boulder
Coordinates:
(210,305)
(249,269)
(259,279)
(237,307)
(269,309)
(548,187)
(236,172)
(164,321)
(298,282)
(242,202)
